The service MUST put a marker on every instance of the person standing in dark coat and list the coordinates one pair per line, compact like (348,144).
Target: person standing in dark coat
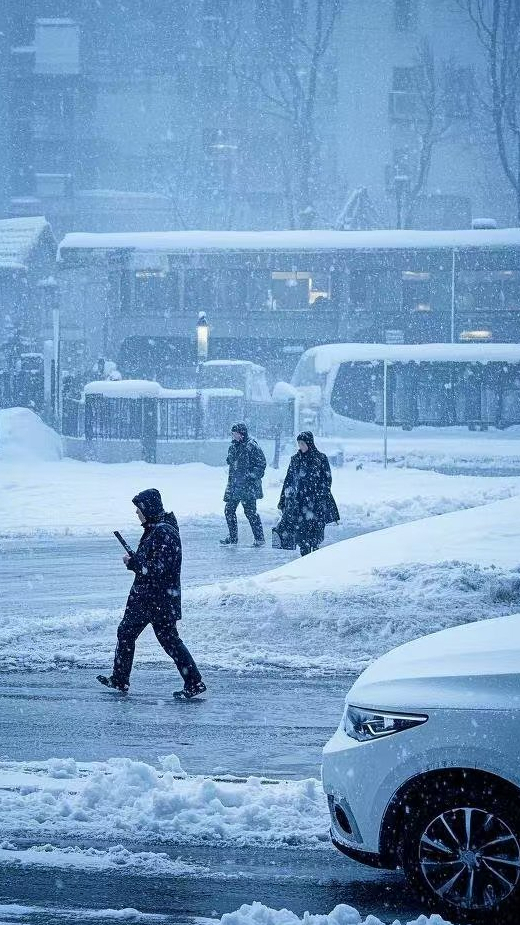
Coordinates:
(306,500)
(155,597)
(246,463)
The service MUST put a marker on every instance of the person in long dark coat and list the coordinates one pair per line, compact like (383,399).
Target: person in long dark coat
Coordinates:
(155,597)
(246,463)
(306,500)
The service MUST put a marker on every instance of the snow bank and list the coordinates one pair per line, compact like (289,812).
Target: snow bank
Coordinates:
(258,914)
(25,438)
(128,798)
(117,857)
(77,498)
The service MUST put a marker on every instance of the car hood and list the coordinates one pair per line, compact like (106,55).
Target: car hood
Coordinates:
(476,665)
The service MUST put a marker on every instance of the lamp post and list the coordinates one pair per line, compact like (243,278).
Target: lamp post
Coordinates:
(56,344)
(202,356)
(401,187)
(202,338)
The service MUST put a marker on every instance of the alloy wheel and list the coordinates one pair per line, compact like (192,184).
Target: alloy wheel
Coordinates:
(470,858)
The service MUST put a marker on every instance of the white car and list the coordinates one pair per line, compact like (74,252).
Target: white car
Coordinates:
(424,770)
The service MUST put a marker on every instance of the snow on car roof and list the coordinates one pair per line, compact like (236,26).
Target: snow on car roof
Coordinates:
(172,241)
(330,355)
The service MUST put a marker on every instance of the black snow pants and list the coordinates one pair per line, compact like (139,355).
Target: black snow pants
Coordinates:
(164,625)
(252,515)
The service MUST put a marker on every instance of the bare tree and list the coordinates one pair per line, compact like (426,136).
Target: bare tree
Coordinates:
(286,45)
(358,212)
(497,23)
(430,123)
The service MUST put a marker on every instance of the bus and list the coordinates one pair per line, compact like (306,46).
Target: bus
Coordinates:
(436,385)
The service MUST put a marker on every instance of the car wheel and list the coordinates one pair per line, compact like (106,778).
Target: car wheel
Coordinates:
(461,852)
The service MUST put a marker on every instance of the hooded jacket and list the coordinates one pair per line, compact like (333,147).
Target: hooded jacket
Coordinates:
(247,464)
(158,559)
(306,491)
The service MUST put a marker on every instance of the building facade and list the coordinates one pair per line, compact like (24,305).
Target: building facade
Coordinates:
(404,65)
(162,114)
(268,296)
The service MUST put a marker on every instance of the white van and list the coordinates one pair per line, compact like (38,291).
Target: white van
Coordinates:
(424,772)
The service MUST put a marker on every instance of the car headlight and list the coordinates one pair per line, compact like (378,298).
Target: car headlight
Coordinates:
(366,725)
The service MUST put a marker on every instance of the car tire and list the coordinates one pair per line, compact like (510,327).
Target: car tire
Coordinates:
(448,830)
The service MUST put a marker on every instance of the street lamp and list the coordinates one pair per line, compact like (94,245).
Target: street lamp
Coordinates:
(202,338)
(202,356)
(401,188)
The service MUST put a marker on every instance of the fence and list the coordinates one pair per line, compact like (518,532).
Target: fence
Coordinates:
(153,420)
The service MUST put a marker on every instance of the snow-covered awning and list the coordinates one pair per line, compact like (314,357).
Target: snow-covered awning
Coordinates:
(18,237)
(311,241)
(330,355)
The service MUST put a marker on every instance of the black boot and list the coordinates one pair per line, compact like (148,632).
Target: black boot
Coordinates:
(190,690)
(229,542)
(111,682)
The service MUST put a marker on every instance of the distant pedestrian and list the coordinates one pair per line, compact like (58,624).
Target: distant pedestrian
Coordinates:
(306,500)
(155,597)
(246,463)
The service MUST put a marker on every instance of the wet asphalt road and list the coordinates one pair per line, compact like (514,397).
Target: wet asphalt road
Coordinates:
(265,724)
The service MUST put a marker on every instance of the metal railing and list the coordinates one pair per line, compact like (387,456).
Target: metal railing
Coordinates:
(153,420)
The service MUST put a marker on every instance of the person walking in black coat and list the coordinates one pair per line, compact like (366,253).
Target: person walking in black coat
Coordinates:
(246,463)
(306,500)
(155,597)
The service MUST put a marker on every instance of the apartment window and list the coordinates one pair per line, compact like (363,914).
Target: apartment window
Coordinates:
(405,15)
(403,96)
(57,47)
(53,184)
(404,79)
(459,91)
(53,111)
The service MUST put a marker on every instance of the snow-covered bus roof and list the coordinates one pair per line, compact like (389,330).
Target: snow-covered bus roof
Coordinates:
(330,355)
(194,241)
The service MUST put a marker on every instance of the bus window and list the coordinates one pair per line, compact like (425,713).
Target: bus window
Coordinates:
(357,390)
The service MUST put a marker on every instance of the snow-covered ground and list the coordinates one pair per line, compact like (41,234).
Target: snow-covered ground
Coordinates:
(445,448)
(71,497)
(42,493)
(335,610)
